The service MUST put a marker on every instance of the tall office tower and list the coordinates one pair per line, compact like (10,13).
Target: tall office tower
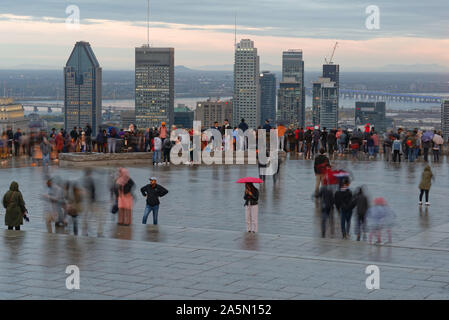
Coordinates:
(325,103)
(155,86)
(246,103)
(267,97)
(445,119)
(291,95)
(82,87)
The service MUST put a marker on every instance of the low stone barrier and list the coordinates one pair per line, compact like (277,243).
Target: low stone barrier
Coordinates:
(119,159)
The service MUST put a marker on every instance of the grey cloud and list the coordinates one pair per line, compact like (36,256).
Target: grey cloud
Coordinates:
(342,19)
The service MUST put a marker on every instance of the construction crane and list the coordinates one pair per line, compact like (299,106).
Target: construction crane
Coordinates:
(332,55)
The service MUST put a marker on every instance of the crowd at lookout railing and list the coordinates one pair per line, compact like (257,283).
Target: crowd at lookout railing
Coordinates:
(362,144)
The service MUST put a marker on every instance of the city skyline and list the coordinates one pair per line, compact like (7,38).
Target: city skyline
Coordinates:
(404,37)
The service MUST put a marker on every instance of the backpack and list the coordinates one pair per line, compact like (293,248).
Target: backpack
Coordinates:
(397,145)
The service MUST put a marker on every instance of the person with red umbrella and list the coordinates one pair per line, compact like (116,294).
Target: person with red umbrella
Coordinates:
(251,198)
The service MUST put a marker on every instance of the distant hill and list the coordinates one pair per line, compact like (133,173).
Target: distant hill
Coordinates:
(427,68)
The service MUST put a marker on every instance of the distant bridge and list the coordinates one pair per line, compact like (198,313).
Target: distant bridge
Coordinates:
(387,96)
(367,95)
(50,107)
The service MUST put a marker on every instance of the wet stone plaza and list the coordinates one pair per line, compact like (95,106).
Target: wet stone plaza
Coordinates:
(201,250)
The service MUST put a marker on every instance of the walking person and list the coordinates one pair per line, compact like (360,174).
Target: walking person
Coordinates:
(152,192)
(74,205)
(379,217)
(320,166)
(327,201)
(388,146)
(344,204)
(123,191)
(362,204)
(251,198)
(15,207)
(425,184)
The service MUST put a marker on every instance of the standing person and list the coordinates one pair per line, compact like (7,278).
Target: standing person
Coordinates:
(251,198)
(426,144)
(331,142)
(152,192)
(16,139)
(299,135)
(124,188)
(74,133)
(344,204)
(281,136)
(316,140)
(15,207)
(291,139)
(112,140)
(397,150)
(157,142)
(308,141)
(388,147)
(320,166)
(88,135)
(162,131)
(425,184)
(45,150)
(362,204)
(59,142)
(327,201)
(100,140)
(166,147)
(323,138)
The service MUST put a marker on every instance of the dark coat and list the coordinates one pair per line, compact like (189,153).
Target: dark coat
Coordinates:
(344,200)
(153,194)
(14,205)
(251,199)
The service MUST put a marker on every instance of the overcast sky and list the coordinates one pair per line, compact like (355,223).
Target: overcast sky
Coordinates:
(34,32)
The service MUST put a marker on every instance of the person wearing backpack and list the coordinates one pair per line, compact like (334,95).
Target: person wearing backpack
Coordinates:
(397,150)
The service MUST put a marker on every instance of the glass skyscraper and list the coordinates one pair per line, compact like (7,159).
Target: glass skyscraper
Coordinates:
(325,103)
(267,97)
(155,87)
(291,95)
(82,87)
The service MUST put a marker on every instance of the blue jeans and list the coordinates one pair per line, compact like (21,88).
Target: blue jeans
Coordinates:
(148,209)
(157,156)
(411,154)
(371,150)
(45,159)
(345,221)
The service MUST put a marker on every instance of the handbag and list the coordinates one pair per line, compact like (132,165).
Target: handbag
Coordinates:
(114,208)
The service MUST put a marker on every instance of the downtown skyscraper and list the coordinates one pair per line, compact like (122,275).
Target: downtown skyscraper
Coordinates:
(267,97)
(326,97)
(154,86)
(82,88)
(246,103)
(291,95)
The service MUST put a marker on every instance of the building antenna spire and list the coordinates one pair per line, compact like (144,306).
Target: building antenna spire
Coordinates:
(148,23)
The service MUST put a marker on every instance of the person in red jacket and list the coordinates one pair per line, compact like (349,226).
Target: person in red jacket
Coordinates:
(59,142)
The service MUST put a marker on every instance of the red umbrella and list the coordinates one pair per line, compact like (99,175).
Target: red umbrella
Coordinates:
(249,180)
